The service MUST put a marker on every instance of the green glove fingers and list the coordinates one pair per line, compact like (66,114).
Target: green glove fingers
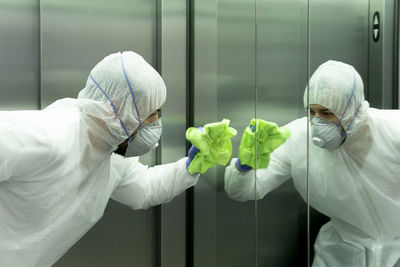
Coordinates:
(269,137)
(214,143)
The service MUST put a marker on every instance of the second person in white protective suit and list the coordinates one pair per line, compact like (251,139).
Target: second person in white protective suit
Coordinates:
(354,171)
(58,169)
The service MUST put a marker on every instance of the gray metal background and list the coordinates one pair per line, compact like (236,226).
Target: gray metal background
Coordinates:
(381,55)
(205,110)
(173,69)
(396,51)
(339,30)
(19,53)
(224,229)
(75,35)
(48,48)
(281,79)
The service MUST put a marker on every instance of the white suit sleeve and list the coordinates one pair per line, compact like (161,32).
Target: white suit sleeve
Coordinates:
(241,185)
(141,187)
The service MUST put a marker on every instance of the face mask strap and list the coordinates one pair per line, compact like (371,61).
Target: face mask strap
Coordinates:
(115,110)
(358,108)
(351,96)
(130,89)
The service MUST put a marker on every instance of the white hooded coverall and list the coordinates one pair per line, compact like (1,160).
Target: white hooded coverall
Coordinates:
(356,185)
(58,169)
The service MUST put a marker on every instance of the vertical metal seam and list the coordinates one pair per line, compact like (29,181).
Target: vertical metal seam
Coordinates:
(159,63)
(40,56)
(159,36)
(158,209)
(189,123)
(255,139)
(395,101)
(308,132)
(368,50)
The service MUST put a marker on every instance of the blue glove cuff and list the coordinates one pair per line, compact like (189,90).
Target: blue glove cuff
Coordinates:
(191,153)
(242,168)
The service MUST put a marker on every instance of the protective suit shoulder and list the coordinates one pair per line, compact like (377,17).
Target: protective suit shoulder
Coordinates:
(298,136)
(385,125)
(25,144)
(384,115)
(298,127)
(37,142)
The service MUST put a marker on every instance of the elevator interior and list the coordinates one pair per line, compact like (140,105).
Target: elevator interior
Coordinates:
(235,59)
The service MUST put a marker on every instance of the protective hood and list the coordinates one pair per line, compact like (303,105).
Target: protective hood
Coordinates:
(148,89)
(338,87)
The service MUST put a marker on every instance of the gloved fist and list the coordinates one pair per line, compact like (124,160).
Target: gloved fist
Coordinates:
(212,146)
(269,137)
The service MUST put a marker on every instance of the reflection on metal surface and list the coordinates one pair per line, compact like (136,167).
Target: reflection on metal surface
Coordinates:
(224,88)
(282,76)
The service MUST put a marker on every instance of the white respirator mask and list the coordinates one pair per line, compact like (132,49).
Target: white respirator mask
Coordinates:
(327,134)
(145,140)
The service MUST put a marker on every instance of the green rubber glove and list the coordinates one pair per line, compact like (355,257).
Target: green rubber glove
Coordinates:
(214,143)
(269,137)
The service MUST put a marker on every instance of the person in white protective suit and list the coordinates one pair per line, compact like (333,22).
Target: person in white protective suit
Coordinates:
(58,169)
(354,171)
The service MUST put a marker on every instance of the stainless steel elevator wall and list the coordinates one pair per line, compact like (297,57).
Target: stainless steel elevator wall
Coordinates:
(205,110)
(75,35)
(173,57)
(381,54)
(48,49)
(47,55)
(339,31)
(19,53)
(281,79)
(224,229)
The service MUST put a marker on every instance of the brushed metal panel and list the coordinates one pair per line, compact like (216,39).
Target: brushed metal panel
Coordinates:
(75,36)
(339,31)
(19,53)
(224,229)
(396,61)
(173,70)
(281,79)
(381,55)
(121,238)
(205,111)
(236,233)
